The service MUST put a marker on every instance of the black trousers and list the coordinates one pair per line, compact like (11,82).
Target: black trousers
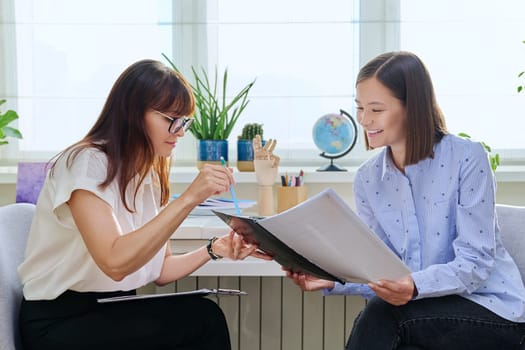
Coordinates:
(443,323)
(76,321)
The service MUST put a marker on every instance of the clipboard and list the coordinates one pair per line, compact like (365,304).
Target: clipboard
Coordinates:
(198,292)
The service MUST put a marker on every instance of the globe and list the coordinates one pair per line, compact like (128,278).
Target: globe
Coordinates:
(335,135)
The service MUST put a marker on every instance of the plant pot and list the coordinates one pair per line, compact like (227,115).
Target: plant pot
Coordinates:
(211,151)
(245,155)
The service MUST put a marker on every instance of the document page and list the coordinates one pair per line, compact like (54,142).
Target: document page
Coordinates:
(326,231)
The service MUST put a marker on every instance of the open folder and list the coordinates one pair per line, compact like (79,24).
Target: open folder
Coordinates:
(322,237)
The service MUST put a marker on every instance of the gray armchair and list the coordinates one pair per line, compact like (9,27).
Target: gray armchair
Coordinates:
(15,222)
(511,221)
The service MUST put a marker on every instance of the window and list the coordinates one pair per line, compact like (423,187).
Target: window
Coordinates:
(302,53)
(305,54)
(474,52)
(66,62)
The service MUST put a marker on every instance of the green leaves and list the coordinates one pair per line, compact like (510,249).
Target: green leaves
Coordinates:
(494,159)
(521,87)
(5,130)
(214,116)
(250,130)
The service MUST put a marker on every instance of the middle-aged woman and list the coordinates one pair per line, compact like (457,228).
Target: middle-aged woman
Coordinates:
(102,226)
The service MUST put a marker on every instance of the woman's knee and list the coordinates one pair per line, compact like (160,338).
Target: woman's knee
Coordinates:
(206,305)
(377,308)
(375,327)
(208,309)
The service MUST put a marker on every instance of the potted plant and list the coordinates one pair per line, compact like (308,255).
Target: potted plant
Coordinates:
(5,130)
(214,116)
(245,146)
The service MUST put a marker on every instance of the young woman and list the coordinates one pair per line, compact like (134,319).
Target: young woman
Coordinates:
(102,226)
(430,196)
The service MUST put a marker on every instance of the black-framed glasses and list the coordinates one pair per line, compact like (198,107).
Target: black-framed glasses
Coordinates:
(176,124)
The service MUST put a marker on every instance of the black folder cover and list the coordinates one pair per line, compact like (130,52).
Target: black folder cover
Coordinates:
(253,232)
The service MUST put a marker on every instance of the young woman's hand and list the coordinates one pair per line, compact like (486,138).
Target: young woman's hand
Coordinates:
(308,282)
(398,292)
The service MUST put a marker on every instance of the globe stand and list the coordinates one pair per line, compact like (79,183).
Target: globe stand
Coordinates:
(332,166)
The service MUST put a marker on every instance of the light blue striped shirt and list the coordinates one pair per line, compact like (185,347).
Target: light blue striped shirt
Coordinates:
(439,218)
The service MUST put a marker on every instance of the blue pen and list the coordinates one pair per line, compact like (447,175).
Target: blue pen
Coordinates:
(232,192)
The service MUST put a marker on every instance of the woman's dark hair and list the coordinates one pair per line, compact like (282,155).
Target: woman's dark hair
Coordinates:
(120,130)
(405,75)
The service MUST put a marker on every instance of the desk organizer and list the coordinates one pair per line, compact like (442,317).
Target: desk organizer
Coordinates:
(288,197)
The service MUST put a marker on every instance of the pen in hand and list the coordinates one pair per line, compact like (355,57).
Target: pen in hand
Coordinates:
(232,192)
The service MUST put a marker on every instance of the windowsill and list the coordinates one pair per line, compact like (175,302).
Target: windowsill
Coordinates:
(508,173)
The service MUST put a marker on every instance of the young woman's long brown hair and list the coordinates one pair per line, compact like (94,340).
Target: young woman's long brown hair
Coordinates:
(120,130)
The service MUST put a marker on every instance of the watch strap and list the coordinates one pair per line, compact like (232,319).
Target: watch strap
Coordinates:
(209,248)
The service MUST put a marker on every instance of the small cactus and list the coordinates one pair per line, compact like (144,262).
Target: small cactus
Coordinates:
(250,130)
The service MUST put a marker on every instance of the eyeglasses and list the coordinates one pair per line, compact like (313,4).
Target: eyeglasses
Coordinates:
(176,124)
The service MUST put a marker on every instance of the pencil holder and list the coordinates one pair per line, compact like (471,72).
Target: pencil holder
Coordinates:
(288,197)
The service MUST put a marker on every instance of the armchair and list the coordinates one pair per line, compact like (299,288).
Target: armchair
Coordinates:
(14,228)
(511,220)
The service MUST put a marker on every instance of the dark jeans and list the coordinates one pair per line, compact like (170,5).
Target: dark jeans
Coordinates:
(451,323)
(76,321)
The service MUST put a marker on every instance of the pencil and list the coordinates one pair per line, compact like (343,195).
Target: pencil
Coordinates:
(232,192)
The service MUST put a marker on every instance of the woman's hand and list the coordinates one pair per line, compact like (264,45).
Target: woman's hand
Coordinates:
(233,247)
(211,180)
(398,292)
(308,282)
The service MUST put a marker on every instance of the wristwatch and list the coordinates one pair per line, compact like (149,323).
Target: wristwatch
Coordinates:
(209,248)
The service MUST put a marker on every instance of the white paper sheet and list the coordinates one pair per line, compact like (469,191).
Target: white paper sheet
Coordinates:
(326,231)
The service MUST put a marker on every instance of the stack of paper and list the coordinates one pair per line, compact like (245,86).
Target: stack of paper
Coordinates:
(224,205)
